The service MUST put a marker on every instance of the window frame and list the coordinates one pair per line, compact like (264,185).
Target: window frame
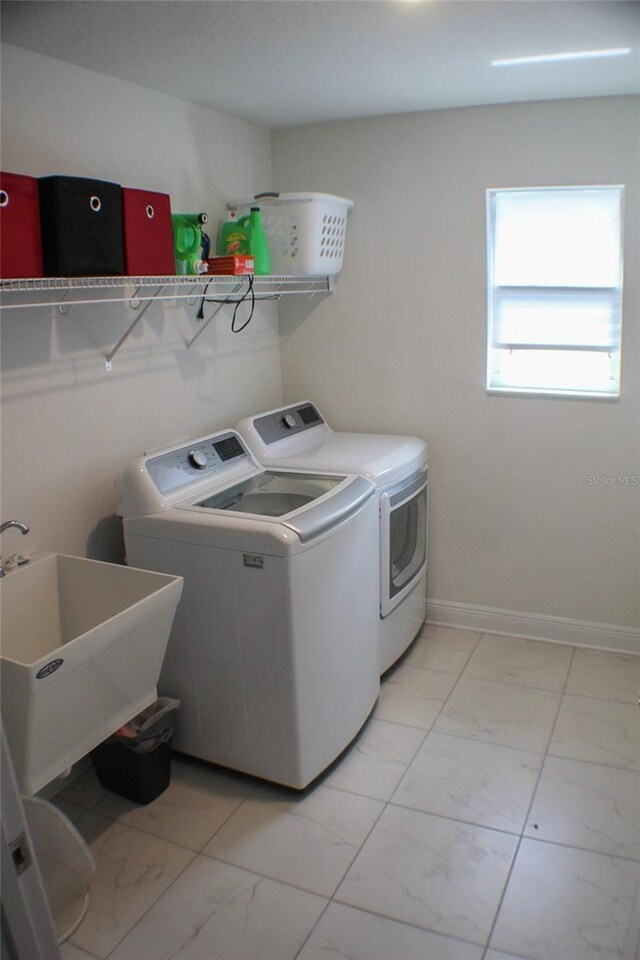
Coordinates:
(614,295)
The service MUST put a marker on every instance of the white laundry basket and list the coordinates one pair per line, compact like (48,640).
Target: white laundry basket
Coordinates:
(65,861)
(306,231)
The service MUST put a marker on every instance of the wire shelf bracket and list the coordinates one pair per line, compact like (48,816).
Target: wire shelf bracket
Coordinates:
(141,312)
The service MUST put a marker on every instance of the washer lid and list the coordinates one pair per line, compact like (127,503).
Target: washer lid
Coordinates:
(307,504)
(271,493)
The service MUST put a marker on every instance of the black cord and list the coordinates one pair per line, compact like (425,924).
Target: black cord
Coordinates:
(248,292)
(200,313)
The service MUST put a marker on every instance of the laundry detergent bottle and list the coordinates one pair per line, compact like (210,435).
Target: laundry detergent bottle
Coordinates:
(258,243)
(190,242)
(234,237)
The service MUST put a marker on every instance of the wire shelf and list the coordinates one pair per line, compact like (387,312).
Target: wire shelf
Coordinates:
(154,288)
(140,292)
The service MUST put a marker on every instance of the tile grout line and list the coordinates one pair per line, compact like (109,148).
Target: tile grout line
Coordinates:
(403,923)
(517,848)
(227,818)
(216,858)
(587,647)
(194,854)
(446,816)
(116,819)
(555,721)
(386,804)
(534,753)
(589,850)
(143,915)
(514,683)
(430,729)
(304,942)
(228,863)
(94,956)
(514,833)
(528,813)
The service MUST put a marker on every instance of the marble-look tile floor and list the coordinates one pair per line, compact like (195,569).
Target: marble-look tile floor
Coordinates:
(489,810)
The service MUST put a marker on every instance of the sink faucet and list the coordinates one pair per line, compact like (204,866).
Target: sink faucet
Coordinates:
(14,523)
(23,528)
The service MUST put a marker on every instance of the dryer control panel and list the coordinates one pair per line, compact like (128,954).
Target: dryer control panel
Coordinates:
(287,422)
(197,461)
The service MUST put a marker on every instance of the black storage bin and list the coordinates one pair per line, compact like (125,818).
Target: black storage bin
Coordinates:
(136,761)
(81,226)
(140,777)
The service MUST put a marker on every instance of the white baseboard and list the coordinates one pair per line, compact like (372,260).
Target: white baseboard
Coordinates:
(534,626)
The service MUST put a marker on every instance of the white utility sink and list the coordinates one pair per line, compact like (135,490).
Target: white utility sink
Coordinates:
(82,645)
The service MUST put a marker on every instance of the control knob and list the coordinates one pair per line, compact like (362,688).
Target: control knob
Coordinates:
(197,459)
(289,421)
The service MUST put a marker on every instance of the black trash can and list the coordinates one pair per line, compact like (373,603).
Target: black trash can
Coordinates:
(135,762)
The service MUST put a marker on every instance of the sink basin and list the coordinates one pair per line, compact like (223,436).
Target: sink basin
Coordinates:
(82,646)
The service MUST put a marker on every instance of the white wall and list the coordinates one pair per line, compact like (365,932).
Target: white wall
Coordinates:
(68,427)
(400,347)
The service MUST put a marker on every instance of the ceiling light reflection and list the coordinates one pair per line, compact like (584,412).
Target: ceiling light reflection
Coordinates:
(556,57)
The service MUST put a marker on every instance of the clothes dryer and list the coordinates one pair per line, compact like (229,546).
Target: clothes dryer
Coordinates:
(298,436)
(273,651)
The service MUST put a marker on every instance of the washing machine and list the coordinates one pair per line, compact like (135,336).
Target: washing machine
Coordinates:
(272,652)
(299,436)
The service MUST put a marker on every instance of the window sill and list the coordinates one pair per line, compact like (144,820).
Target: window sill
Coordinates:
(554,394)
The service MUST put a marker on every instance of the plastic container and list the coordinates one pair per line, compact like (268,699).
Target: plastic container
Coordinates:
(233,239)
(135,762)
(140,777)
(258,243)
(306,231)
(65,863)
(190,242)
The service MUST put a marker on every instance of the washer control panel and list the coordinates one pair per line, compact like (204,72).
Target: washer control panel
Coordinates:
(287,422)
(203,458)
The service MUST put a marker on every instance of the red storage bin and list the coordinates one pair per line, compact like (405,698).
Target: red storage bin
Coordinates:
(20,241)
(148,238)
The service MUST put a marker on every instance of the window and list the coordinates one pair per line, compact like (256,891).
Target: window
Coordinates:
(555,290)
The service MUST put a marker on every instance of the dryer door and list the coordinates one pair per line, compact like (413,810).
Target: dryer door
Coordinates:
(403,555)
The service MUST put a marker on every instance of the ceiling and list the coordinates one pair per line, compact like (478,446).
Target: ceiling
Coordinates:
(289,62)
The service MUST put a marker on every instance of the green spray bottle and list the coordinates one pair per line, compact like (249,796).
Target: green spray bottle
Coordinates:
(258,243)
